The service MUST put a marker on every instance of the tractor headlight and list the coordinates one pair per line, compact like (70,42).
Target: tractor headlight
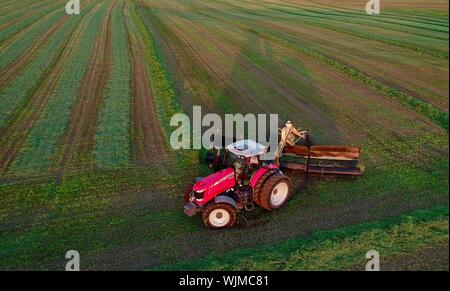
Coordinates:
(197,195)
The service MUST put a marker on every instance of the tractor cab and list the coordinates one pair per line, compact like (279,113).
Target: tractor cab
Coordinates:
(242,156)
(244,152)
(246,155)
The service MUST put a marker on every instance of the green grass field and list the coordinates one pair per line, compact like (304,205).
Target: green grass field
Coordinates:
(85,108)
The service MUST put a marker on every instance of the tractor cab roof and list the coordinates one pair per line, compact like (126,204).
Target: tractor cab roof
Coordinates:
(247,148)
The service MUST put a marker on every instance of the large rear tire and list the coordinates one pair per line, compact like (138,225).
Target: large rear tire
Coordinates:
(259,186)
(275,192)
(219,215)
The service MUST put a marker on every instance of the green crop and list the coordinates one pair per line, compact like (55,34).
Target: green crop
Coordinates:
(11,30)
(338,249)
(42,142)
(19,90)
(112,141)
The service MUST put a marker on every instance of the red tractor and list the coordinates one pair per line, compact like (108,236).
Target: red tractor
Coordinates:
(242,180)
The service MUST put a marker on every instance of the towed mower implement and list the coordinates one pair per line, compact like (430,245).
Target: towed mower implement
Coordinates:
(333,160)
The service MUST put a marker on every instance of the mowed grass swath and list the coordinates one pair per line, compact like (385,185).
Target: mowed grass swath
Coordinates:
(24,76)
(42,141)
(112,146)
(86,102)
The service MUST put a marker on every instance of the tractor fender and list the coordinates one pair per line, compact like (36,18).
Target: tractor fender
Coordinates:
(255,178)
(225,199)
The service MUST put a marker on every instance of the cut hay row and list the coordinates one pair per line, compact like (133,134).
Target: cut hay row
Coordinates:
(166,99)
(393,21)
(423,108)
(383,20)
(390,39)
(13,63)
(7,10)
(192,68)
(6,3)
(391,9)
(422,79)
(19,79)
(419,106)
(15,12)
(239,81)
(438,33)
(341,99)
(32,89)
(112,139)
(241,64)
(148,137)
(76,145)
(392,17)
(42,142)
(9,34)
(395,67)
(26,36)
(423,44)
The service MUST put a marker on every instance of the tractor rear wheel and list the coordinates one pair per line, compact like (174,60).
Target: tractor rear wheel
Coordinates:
(219,215)
(275,192)
(259,185)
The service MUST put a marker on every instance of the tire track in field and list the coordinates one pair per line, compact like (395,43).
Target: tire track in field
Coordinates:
(18,65)
(147,135)
(14,135)
(78,143)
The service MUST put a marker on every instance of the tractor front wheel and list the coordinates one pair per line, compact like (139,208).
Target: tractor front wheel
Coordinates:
(219,215)
(275,192)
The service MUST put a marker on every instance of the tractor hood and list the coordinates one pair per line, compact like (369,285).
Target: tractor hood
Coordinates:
(218,179)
